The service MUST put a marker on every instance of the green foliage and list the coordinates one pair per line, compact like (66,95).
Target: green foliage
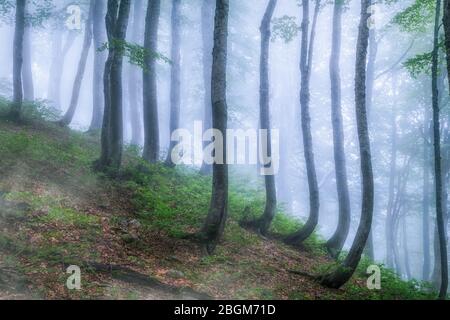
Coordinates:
(135,53)
(422,63)
(285,28)
(416,18)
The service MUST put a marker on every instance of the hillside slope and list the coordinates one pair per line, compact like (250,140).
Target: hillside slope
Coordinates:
(128,234)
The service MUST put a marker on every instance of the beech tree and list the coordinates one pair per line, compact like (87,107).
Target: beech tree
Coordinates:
(214,225)
(336,242)
(306,59)
(19,31)
(68,117)
(151,124)
(175,81)
(343,273)
(112,130)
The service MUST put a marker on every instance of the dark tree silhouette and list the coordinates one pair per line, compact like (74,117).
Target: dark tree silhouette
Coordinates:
(343,273)
(99,38)
(175,81)
(214,225)
(151,124)
(446,21)
(112,130)
(306,58)
(19,31)
(437,159)
(336,242)
(68,117)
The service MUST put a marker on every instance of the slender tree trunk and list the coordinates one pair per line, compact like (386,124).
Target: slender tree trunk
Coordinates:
(134,78)
(99,38)
(19,31)
(305,69)
(175,82)
(426,198)
(437,159)
(341,275)
(208,8)
(151,123)
(68,117)
(112,130)
(213,228)
(57,66)
(27,72)
(405,249)
(263,223)
(336,242)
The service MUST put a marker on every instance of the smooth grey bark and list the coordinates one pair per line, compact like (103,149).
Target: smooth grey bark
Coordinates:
(213,228)
(264,222)
(426,198)
(112,131)
(150,90)
(175,77)
(135,77)
(336,242)
(68,117)
(99,38)
(208,7)
(19,31)
(306,55)
(27,72)
(343,273)
(437,159)
(405,249)
(59,54)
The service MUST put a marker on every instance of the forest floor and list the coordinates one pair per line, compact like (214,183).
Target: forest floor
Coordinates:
(128,234)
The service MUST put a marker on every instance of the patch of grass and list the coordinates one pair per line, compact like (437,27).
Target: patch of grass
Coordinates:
(68,216)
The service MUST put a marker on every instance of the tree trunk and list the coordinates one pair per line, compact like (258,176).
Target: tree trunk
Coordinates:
(151,123)
(112,130)
(68,117)
(336,242)
(437,159)
(175,82)
(263,223)
(134,78)
(99,38)
(27,72)
(305,69)
(208,8)
(218,211)
(341,275)
(57,66)
(19,31)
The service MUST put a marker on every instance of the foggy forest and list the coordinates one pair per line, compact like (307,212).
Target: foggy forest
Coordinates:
(224,149)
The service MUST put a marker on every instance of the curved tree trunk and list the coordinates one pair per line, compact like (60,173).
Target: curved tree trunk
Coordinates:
(99,38)
(27,72)
(175,82)
(437,160)
(214,225)
(336,242)
(151,122)
(134,91)
(112,130)
(264,101)
(68,117)
(307,50)
(208,8)
(341,275)
(19,31)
